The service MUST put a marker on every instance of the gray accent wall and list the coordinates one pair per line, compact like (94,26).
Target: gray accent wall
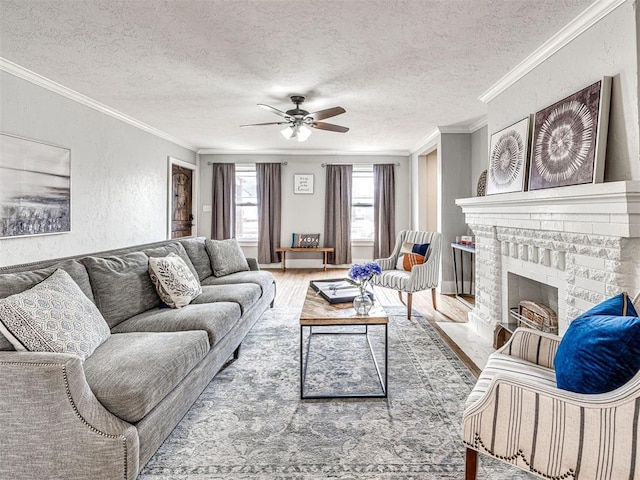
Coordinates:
(305,213)
(454,161)
(119,173)
(608,48)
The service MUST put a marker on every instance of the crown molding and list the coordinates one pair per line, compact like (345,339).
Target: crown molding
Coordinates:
(426,143)
(477,125)
(37,79)
(592,15)
(388,153)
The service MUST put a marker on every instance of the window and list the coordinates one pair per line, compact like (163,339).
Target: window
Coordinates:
(362,203)
(246,203)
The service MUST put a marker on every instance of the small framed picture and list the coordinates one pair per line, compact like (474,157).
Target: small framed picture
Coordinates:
(303,183)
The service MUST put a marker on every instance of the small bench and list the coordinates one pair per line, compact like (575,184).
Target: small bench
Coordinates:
(283,252)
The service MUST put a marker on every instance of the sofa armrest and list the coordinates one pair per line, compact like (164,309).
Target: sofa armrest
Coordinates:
(533,346)
(253,264)
(54,427)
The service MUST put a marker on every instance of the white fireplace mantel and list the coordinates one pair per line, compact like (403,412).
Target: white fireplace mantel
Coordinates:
(583,239)
(611,209)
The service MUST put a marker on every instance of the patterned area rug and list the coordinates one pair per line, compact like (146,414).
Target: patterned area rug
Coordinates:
(250,423)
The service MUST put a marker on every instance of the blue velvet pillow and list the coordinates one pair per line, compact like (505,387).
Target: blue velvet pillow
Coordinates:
(600,351)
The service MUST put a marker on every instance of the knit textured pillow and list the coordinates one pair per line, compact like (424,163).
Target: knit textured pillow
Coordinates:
(53,316)
(175,283)
(226,257)
(412,254)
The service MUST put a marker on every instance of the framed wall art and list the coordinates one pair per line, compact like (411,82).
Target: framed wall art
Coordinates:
(570,139)
(303,183)
(35,187)
(508,153)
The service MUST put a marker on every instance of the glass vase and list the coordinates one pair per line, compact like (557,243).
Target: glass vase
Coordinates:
(362,304)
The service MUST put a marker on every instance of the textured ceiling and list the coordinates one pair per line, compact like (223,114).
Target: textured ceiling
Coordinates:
(196,69)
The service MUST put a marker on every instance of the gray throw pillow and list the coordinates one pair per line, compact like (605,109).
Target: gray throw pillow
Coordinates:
(53,316)
(175,283)
(226,257)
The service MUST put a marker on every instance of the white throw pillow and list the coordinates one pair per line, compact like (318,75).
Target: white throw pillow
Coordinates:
(175,283)
(53,316)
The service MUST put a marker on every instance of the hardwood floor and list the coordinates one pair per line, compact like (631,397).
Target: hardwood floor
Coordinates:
(292,287)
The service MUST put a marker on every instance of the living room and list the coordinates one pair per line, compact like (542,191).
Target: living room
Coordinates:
(130,89)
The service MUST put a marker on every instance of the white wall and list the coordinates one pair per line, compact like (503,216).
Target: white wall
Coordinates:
(305,213)
(118,173)
(607,48)
(479,156)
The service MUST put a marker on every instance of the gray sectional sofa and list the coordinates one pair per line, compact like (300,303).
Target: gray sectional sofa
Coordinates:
(103,418)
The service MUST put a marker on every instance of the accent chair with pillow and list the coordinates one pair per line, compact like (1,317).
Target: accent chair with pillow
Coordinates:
(562,408)
(413,266)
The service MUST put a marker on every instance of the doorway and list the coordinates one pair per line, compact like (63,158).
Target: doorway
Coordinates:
(182,199)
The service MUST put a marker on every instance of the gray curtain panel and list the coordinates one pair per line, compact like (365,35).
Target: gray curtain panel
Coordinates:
(384,210)
(337,212)
(269,211)
(223,216)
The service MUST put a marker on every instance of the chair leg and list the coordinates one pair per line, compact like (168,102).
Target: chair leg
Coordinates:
(400,297)
(433,298)
(471,464)
(409,298)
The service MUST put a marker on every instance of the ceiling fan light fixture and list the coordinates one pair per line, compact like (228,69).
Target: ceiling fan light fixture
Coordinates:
(288,133)
(304,133)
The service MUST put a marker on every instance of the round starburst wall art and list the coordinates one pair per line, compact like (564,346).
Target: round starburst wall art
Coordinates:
(568,138)
(507,158)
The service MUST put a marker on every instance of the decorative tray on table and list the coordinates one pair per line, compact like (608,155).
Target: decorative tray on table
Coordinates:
(337,290)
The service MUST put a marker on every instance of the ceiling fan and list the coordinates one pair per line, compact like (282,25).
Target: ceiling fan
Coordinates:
(298,120)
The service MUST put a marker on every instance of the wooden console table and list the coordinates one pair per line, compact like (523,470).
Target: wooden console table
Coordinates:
(283,252)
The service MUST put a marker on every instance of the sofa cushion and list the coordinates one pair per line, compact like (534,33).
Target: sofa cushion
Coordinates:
(12,283)
(199,257)
(131,373)
(412,254)
(53,316)
(226,257)
(262,278)
(121,285)
(500,363)
(175,248)
(244,294)
(600,351)
(175,283)
(217,319)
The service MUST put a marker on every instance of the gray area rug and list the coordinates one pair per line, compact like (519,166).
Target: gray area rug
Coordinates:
(250,423)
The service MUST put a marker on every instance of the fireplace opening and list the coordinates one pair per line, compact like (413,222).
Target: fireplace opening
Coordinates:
(532,304)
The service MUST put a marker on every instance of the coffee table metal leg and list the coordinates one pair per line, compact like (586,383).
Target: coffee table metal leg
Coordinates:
(383,383)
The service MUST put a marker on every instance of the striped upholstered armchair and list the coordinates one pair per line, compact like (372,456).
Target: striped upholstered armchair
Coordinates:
(421,277)
(516,414)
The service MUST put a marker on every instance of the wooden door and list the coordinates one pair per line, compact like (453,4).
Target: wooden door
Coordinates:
(182,194)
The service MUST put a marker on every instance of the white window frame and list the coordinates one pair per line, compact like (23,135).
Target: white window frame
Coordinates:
(244,168)
(358,169)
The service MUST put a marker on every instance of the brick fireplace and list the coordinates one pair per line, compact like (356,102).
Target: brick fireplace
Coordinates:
(582,240)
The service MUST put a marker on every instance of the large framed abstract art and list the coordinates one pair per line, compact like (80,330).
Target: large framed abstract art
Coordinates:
(570,139)
(508,153)
(35,187)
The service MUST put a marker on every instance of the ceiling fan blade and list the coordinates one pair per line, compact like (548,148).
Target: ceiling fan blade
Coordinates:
(274,110)
(327,113)
(268,123)
(329,126)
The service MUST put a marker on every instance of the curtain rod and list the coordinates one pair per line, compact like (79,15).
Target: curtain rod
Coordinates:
(397,164)
(281,163)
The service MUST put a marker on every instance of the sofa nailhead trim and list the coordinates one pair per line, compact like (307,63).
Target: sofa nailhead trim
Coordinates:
(75,409)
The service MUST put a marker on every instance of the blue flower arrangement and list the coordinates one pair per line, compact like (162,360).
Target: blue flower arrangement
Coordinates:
(360,275)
